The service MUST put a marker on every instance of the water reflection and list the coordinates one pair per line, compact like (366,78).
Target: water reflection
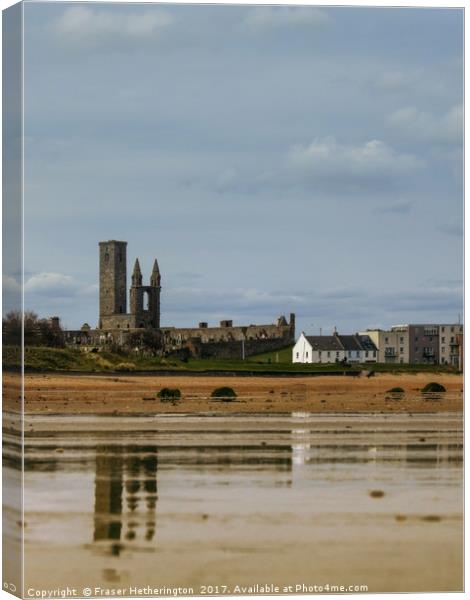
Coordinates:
(244,493)
(125,495)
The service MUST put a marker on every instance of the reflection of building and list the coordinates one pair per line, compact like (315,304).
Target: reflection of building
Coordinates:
(125,495)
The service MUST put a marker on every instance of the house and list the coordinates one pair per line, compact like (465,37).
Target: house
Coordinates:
(392,345)
(449,348)
(334,348)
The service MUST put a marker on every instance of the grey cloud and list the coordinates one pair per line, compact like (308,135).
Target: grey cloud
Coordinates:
(325,157)
(325,162)
(400,207)
(57,285)
(282,17)
(393,80)
(453,228)
(87,26)
(423,126)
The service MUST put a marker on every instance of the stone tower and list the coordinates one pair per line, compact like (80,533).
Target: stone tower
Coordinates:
(145,299)
(137,293)
(154,299)
(113,278)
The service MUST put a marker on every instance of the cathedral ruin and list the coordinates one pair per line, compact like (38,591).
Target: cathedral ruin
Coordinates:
(144,299)
(118,327)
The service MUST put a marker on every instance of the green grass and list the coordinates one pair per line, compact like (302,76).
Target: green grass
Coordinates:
(278,356)
(68,359)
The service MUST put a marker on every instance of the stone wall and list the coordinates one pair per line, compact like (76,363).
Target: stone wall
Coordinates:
(229,350)
(178,336)
(118,322)
(204,342)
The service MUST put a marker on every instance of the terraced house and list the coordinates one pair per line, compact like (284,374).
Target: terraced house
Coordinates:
(334,348)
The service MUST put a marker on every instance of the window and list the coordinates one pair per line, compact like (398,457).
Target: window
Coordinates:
(452,330)
(328,354)
(296,355)
(401,340)
(443,350)
(349,353)
(375,353)
(401,350)
(306,355)
(386,340)
(443,340)
(337,355)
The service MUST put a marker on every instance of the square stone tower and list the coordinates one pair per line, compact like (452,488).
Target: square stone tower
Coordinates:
(113,278)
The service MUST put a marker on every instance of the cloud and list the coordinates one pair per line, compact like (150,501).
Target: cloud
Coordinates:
(393,80)
(351,308)
(271,18)
(423,126)
(226,180)
(453,228)
(400,207)
(57,285)
(327,163)
(10,284)
(80,24)
(327,158)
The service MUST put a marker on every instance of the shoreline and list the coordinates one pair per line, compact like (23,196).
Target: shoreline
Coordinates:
(114,394)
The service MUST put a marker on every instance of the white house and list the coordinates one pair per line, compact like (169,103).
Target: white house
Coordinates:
(334,348)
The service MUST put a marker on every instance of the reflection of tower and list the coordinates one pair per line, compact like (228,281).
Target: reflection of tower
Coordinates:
(108,496)
(125,495)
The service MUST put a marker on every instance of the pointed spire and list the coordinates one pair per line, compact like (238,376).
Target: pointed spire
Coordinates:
(137,274)
(155,277)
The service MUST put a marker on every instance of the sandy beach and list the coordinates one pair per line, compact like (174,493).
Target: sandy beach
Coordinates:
(78,394)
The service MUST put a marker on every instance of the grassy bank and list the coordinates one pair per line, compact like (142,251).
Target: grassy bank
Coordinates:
(58,359)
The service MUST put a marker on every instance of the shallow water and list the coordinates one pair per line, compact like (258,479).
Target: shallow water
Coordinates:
(281,500)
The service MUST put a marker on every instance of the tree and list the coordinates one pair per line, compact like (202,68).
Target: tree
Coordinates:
(37,332)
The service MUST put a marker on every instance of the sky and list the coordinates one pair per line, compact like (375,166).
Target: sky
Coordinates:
(273,159)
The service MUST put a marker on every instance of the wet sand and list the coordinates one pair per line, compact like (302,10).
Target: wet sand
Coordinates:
(70,394)
(299,482)
(172,500)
